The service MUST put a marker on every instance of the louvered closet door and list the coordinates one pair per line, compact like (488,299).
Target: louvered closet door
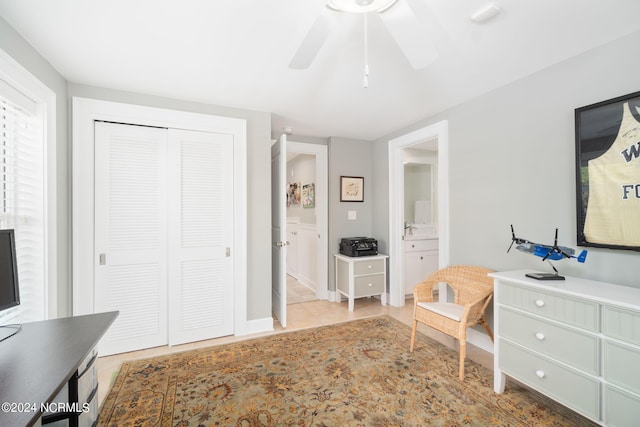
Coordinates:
(200,235)
(131,234)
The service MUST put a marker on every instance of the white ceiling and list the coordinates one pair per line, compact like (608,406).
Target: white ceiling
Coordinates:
(236,53)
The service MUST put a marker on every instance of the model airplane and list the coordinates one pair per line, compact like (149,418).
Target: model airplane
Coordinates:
(546,252)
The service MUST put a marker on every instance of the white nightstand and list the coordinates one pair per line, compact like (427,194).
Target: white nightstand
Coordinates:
(358,277)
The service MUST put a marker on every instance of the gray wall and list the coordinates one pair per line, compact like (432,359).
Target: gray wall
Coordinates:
(512,162)
(12,43)
(258,182)
(349,157)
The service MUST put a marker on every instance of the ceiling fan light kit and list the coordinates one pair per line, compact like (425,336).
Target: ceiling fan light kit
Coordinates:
(404,21)
(360,6)
(485,13)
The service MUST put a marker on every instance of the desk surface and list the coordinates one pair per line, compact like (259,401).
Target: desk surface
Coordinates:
(39,360)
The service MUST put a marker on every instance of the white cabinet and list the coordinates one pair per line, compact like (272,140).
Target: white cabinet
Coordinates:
(358,277)
(420,261)
(576,340)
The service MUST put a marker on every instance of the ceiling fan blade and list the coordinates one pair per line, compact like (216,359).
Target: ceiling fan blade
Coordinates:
(314,39)
(410,33)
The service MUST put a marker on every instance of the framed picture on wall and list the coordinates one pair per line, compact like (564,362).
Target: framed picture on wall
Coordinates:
(608,173)
(308,196)
(351,189)
(293,193)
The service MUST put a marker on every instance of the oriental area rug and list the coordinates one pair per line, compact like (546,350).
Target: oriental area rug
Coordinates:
(358,373)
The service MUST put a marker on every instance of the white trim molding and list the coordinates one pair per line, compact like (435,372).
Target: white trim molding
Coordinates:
(18,77)
(439,131)
(85,112)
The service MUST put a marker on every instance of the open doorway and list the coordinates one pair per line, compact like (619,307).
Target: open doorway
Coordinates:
(307,222)
(437,136)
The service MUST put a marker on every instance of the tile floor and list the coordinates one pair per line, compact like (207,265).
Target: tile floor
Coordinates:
(297,292)
(299,316)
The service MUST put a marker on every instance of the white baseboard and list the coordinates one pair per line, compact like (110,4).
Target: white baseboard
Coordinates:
(480,340)
(255,326)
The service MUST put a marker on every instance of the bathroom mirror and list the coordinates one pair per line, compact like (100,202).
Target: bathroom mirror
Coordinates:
(418,193)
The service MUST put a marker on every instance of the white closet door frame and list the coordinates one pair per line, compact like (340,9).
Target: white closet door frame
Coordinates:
(85,113)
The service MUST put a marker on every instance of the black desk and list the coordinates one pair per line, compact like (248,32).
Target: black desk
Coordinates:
(40,359)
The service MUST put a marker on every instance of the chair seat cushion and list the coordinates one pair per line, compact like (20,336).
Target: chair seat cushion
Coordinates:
(446,309)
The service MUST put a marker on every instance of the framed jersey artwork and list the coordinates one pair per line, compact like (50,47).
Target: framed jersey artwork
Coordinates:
(608,173)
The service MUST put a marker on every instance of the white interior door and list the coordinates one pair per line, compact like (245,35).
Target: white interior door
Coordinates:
(278,230)
(200,235)
(130,234)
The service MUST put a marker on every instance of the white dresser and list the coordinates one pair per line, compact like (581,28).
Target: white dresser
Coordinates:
(358,277)
(576,341)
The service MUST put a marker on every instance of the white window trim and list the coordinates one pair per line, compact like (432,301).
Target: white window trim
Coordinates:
(85,112)
(21,79)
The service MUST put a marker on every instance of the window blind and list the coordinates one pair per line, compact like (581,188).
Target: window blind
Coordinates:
(22,183)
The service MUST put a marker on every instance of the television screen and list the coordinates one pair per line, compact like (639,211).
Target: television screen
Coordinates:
(9,294)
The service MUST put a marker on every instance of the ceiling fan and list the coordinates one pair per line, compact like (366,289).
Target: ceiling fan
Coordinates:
(401,17)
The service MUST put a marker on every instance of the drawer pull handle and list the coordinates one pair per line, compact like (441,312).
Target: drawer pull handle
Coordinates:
(540,374)
(370,266)
(370,284)
(539,303)
(540,336)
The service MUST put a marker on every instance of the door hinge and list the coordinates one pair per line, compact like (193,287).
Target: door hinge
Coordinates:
(102,259)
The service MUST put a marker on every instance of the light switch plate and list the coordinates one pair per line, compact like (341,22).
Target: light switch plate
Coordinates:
(351,215)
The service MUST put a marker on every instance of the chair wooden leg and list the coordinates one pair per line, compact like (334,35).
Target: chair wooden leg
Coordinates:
(483,320)
(463,351)
(413,335)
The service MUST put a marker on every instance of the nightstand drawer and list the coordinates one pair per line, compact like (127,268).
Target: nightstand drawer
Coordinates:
(570,346)
(575,390)
(369,266)
(369,285)
(573,311)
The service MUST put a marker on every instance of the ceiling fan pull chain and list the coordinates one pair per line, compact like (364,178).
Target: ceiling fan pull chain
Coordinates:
(365,80)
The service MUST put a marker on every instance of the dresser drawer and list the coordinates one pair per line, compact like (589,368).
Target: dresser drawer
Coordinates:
(621,366)
(576,390)
(369,267)
(570,346)
(573,311)
(369,285)
(621,324)
(621,408)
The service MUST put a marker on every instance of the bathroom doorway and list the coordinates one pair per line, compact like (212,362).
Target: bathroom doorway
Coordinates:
(437,137)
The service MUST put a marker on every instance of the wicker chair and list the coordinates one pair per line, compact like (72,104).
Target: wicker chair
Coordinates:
(472,290)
